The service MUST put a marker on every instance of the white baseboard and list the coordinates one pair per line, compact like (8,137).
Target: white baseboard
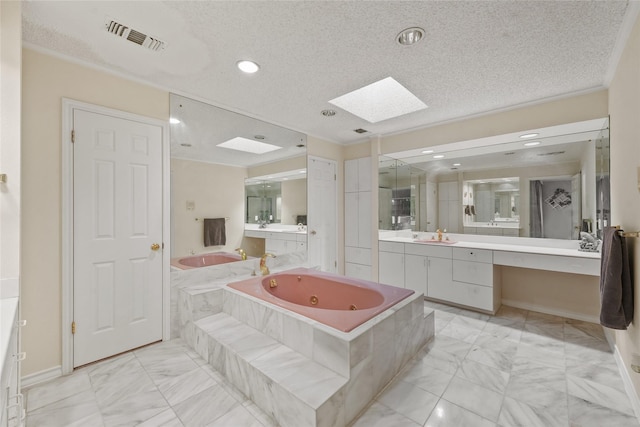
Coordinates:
(42,376)
(626,379)
(552,311)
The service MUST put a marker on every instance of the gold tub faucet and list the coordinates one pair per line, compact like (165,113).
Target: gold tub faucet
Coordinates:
(263,263)
(242,253)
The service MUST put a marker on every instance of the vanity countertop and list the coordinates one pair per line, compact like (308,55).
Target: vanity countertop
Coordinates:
(516,246)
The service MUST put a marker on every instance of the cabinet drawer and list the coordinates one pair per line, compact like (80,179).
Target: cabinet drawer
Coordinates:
(357,255)
(357,271)
(478,273)
(465,294)
(397,247)
(427,249)
(476,255)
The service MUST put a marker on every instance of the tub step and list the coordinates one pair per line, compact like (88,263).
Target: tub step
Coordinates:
(290,387)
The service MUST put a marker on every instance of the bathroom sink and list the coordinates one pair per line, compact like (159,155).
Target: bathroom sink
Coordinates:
(437,242)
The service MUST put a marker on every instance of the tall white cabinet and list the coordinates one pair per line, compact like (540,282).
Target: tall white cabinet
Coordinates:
(449,206)
(357,218)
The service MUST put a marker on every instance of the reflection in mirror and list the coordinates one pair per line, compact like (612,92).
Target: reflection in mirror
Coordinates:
(491,206)
(213,151)
(602,181)
(503,185)
(398,194)
(277,199)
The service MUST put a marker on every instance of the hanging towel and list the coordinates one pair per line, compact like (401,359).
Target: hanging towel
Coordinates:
(616,289)
(214,232)
(473,210)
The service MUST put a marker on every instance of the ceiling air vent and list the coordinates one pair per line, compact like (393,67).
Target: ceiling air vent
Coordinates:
(134,36)
(360,130)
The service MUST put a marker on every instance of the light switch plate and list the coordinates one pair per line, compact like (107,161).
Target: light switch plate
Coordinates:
(191,205)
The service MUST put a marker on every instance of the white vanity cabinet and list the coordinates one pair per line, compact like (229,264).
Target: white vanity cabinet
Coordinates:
(391,264)
(426,266)
(474,281)
(449,274)
(357,218)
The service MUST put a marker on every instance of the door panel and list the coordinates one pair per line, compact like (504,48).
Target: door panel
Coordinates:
(117,279)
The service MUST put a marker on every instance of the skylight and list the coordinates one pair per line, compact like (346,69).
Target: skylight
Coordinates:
(248,145)
(382,100)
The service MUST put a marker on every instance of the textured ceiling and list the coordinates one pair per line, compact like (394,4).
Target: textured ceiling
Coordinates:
(477,56)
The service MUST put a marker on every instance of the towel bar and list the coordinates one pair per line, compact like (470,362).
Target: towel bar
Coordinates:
(226,218)
(628,233)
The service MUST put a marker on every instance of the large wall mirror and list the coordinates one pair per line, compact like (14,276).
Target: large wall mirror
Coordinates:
(553,184)
(225,165)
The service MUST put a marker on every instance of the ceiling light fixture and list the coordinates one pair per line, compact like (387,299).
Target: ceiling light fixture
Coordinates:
(439,156)
(427,152)
(328,113)
(174,121)
(532,143)
(410,36)
(529,135)
(247,66)
(185,144)
(457,164)
(259,137)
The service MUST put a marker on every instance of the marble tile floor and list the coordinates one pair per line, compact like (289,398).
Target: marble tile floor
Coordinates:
(517,368)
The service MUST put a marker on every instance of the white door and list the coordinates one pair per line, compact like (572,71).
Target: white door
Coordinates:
(391,269)
(322,221)
(117,211)
(415,273)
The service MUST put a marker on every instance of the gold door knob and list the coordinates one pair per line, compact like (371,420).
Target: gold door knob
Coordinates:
(155,247)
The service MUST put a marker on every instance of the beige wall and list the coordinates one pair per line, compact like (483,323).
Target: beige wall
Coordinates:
(45,81)
(10,78)
(624,107)
(294,200)
(572,295)
(217,192)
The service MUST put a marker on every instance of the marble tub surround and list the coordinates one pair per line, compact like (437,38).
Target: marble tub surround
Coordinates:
(193,292)
(303,373)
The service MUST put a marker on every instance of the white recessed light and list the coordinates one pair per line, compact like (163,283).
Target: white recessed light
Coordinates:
(457,164)
(410,36)
(439,156)
(529,135)
(532,143)
(174,121)
(248,145)
(382,100)
(427,152)
(249,67)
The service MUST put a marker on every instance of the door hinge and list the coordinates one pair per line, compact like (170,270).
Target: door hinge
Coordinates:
(73,327)
(334,177)
(73,136)
(335,263)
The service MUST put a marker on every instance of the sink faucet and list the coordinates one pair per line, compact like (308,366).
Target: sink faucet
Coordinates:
(439,234)
(242,253)
(263,263)
(262,224)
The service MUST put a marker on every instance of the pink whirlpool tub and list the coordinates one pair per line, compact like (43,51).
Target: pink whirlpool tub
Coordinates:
(337,301)
(204,260)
